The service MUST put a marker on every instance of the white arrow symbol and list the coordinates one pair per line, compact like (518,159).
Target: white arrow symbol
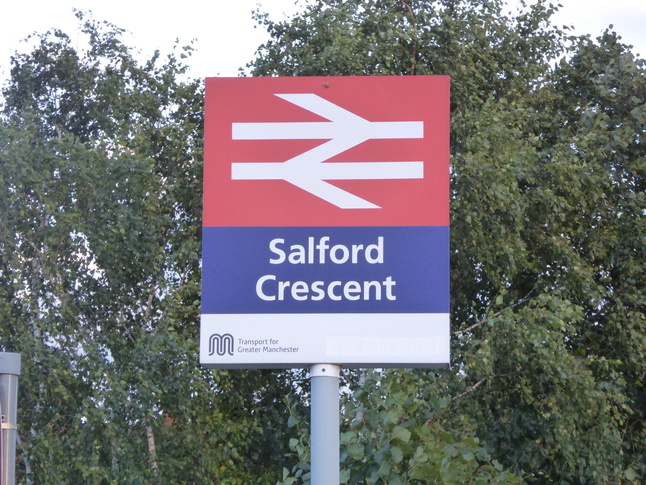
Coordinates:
(344,130)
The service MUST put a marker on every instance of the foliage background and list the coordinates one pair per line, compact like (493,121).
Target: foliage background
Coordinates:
(100,173)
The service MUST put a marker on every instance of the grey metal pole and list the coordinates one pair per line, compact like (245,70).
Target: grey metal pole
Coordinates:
(325,424)
(9,372)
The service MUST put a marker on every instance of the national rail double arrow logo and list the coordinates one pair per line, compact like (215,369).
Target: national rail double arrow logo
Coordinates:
(344,130)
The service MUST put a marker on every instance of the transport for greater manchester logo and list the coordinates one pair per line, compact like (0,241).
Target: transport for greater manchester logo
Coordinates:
(221,344)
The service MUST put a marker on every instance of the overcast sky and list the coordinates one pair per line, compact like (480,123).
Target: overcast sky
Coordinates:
(226,37)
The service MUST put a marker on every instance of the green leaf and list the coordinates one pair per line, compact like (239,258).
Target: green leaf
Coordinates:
(356,451)
(397,454)
(401,433)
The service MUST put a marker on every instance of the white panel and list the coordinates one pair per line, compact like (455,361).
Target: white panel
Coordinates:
(350,340)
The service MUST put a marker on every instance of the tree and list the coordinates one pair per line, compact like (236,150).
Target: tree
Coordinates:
(547,244)
(100,170)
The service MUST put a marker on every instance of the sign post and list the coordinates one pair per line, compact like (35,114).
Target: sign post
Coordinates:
(325,424)
(326,228)
(9,372)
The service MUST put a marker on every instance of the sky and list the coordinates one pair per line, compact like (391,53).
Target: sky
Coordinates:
(225,34)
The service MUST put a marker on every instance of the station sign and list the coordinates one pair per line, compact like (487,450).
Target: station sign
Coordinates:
(326,222)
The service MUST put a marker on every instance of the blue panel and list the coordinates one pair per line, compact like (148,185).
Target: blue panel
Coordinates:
(406,271)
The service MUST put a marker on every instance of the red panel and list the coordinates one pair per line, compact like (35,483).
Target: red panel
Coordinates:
(405,202)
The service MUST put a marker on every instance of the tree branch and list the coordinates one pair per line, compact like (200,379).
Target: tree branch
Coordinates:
(412,20)
(472,388)
(495,315)
(25,460)
(152,448)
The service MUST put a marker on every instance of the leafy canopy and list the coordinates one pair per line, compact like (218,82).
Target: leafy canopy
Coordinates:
(100,173)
